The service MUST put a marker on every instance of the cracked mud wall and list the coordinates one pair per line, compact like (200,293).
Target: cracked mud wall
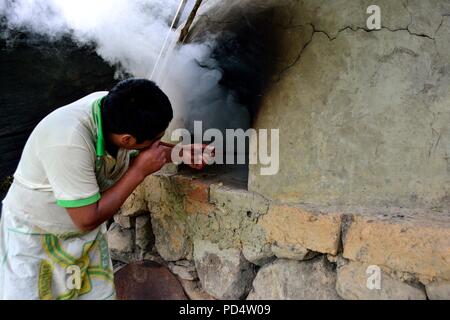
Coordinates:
(363,115)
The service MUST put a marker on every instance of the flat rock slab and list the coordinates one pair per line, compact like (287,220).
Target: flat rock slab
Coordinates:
(415,241)
(295,280)
(223,273)
(147,281)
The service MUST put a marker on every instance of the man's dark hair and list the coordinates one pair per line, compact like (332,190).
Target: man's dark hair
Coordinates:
(137,107)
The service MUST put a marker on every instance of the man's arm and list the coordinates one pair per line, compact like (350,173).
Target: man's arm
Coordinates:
(89,217)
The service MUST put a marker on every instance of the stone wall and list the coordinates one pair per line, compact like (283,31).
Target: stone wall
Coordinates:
(364,176)
(235,244)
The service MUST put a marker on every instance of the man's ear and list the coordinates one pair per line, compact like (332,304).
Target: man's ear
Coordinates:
(127,140)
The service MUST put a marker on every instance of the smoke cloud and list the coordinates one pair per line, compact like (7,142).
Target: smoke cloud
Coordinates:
(129,34)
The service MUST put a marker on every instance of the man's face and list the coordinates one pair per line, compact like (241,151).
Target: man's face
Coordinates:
(148,143)
(129,142)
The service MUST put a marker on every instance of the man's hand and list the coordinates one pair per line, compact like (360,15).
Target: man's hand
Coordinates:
(197,155)
(193,155)
(150,160)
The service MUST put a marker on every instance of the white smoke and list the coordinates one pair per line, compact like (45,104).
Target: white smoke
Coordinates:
(129,34)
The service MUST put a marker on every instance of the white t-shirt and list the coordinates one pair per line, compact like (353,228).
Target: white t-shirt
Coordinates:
(64,165)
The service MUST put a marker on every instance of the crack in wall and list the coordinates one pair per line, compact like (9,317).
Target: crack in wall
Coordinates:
(354,29)
(298,57)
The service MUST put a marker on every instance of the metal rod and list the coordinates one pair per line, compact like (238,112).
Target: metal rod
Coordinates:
(179,12)
(183,7)
(185,31)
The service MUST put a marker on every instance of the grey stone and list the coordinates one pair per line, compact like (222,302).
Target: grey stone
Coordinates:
(185,273)
(255,246)
(223,273)
(194,291)
(292,252)
(352,284)
(121,243)
(295,280)
(171,237)
(438,290)
(259,255)
(144,233)
(124,221)
(135,205)
(333,258)
(185,263)
(155,257)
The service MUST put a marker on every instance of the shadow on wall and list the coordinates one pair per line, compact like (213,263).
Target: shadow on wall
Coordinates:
(247,50)
(36,77)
